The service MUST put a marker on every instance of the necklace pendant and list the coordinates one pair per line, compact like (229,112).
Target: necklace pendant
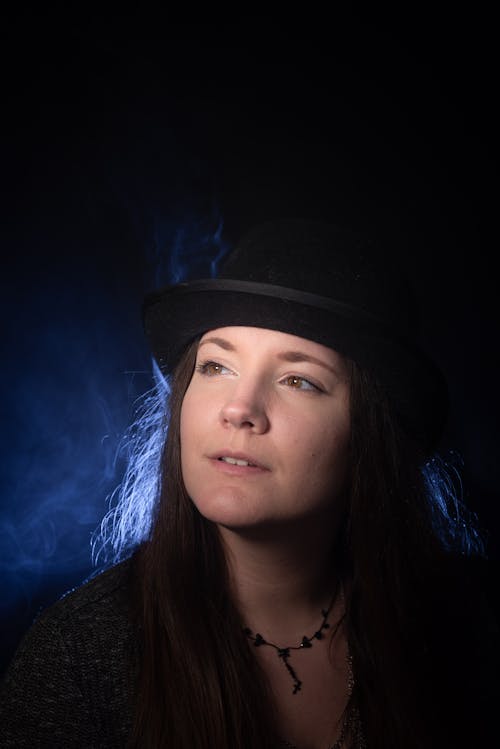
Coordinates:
(297,686)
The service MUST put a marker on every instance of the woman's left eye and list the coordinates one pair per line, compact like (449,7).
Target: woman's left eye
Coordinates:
(299,383)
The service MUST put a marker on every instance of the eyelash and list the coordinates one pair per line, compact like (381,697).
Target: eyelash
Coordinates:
(312,387)
(204,369)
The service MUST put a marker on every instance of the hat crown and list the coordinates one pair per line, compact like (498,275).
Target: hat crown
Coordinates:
(327,261)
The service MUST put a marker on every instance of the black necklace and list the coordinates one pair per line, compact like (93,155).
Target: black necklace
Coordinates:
(284,653)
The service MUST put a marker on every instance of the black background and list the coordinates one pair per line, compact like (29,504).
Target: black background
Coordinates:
(109,132)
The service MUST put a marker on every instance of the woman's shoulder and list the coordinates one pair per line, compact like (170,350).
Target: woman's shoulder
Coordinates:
(71,680)
(94,620)
(97,609)
(106,594)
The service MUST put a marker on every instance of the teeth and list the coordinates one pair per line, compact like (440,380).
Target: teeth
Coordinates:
(235,461)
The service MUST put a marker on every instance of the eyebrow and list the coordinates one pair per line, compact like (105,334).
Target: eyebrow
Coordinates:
(219,342)
(289,356)
(298,356)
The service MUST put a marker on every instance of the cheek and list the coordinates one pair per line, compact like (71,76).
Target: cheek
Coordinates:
(188,432)
(191,416)
(198,421)
(328,457)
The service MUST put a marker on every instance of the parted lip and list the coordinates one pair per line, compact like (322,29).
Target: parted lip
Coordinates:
(238,456)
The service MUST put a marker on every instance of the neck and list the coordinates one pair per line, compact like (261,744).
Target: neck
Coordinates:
(280,587)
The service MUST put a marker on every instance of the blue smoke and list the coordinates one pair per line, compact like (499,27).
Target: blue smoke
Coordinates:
(180,252)
(67,406)
(77,369)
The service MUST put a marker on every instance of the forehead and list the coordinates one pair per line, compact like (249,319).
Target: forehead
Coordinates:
(273,342)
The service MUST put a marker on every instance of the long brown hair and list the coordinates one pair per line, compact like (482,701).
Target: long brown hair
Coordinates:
(200,685)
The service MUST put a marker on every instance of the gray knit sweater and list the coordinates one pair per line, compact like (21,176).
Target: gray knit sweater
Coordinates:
(70,683)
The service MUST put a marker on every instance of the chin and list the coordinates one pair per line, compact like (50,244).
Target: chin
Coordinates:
(228,515)
(249,522)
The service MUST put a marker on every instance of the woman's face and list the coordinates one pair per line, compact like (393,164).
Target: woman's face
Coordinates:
(265,428)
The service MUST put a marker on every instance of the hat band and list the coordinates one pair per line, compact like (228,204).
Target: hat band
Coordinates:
(280,292)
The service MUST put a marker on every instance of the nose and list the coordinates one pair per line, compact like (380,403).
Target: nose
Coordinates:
(245,412)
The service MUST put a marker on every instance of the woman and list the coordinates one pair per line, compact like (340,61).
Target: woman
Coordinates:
(301,584)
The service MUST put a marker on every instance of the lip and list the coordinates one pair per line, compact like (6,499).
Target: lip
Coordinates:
(255,467)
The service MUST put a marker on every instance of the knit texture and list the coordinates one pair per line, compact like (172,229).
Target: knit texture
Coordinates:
(70,683)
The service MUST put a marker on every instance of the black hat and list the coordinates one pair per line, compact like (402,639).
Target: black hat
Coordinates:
(313,280)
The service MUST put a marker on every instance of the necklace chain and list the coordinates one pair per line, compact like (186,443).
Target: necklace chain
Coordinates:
(351,720)
(284,653)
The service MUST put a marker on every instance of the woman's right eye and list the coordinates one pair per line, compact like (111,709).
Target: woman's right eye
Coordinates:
(210,368)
